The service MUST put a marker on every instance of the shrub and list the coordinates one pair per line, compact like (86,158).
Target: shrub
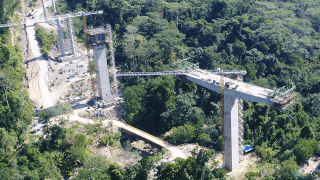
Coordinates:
(304,149)
(183,134)
(44,116)
(92,67)
(72,86)
(117,135)
(46,40)
(56,110)
(110,139)
(252,175)
(203,139)
(104,140)
(220,173)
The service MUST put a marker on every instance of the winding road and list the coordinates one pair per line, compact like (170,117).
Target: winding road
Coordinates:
(48,97)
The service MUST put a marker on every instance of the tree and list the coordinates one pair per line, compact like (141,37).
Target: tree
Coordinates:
(252,175)
(194,167)
(221,173)
(266,152)
(289,169)
(115,171)
(94,168)
(8,141)
(304,149)
(134,97)
(306,132)
(169,41)
(168,171)
(45,40)
(184,111)
(182,134)
(203,139)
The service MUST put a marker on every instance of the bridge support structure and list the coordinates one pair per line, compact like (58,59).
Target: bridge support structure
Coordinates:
(235,90)
(102,74)
(231,144)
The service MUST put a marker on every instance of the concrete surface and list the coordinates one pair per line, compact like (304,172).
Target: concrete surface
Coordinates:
(231,133)
(102,72)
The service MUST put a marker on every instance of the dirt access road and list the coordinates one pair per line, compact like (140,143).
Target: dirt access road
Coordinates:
(45,97)
(175,152)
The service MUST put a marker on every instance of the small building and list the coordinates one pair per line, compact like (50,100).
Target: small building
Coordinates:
(97,36)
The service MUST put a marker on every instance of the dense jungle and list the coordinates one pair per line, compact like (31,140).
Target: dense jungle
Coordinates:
(276,41)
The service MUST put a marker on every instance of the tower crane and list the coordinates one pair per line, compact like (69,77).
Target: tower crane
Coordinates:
(221,72)
(70,15)
(56,18)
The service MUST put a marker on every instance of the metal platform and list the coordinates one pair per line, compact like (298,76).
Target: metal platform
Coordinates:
(153,73)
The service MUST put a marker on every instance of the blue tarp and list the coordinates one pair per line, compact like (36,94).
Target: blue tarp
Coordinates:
(247,148)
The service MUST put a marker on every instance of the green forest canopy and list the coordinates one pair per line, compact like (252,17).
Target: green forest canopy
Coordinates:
(277,42)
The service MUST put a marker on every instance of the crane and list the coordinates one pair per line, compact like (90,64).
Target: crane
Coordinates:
(221,72)
(56,18)
(70,15)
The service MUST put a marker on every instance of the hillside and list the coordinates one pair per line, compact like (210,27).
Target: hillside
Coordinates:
(276,42)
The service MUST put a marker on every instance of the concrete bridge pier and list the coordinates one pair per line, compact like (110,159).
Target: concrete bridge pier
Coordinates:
(102,76)
(231,132)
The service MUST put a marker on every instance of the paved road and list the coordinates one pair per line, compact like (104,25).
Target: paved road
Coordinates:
(175,152)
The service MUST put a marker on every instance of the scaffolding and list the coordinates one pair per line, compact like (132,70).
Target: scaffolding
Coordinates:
(241,129)
(60,36)
(240,124)
(71,35)
(152,73)
(113,68)
(281,98)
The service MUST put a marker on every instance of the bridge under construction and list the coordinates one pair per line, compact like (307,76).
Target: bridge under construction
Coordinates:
(235,90)
(232,89)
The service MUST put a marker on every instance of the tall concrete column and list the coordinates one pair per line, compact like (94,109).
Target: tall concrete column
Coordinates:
(231,132)
(54,7)
(44,11)
(102,75)
(70,31)
(60,36)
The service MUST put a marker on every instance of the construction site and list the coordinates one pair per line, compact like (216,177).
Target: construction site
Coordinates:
(65,77)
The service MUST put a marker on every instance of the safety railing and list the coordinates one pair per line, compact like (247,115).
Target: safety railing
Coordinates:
(152,73)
